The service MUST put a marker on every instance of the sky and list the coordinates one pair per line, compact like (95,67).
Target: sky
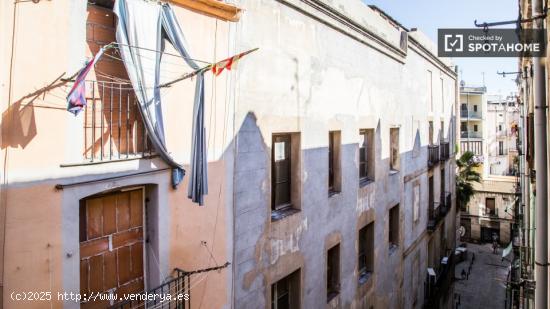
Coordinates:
(429,15)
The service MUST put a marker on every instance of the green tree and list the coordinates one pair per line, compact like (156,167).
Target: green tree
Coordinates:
(465,178)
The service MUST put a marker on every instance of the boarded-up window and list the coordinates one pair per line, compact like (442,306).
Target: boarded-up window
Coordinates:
(111,244)
(113,128)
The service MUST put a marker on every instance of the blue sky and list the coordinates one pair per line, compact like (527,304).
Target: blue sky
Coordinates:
(429,15)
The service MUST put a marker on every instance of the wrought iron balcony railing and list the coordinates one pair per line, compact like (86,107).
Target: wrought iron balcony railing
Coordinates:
(445,151)
(113,128)
(433,155)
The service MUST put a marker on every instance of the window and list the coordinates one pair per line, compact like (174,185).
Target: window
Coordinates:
(500,148)
(333,272)
(475,108)
(475,127)
(394,149)
(285,293)
(280,165)
(463,127)
(431,192)
(490,206)
(334,166)
(442,131)
(366,155)
(416,201)
(394,226)
(365,254)
(431,132)
(500,127)
(430,91)
(442,181)
(442,95)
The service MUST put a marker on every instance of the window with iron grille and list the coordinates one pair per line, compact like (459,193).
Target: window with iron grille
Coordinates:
(365,253)
(366,155)
(333,272)
(113,127)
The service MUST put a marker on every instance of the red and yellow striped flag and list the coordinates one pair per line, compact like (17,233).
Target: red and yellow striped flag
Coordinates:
(229,63)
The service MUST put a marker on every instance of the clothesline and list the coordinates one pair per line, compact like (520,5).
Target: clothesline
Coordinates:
(159,52)
(222,65)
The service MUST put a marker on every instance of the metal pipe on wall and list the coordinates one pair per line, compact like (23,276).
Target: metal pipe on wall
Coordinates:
(541,238)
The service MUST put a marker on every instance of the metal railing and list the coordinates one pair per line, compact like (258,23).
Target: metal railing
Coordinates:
(433,155)
(470,114)
(179,289)
(444,151)
(113,127)
(433,215)
(470,134)
(438,211)
(180,285)
(491,212)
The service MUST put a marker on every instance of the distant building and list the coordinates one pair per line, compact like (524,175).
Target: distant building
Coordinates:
(473,109)
(488,129)
(489,214)
(502,121)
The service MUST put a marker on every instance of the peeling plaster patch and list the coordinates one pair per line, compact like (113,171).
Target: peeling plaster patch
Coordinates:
(289,244)
(364,202)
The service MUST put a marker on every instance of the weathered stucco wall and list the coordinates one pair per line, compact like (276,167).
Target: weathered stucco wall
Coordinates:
(42,145)
(309,78)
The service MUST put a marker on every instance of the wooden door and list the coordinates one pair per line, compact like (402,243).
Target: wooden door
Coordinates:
(111,245)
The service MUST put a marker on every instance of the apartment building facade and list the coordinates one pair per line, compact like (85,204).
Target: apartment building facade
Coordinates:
(330,168)
(502,131)
(335,161)
(473,127)
(488,217)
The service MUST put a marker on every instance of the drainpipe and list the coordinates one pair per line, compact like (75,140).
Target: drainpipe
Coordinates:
(523,169)
(541,234)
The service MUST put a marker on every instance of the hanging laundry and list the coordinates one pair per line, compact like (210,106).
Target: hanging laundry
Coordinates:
(229,63)
(76,99)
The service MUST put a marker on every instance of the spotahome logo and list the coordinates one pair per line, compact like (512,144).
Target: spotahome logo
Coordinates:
(491,43)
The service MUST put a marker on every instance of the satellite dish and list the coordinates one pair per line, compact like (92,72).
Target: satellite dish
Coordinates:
(462,231)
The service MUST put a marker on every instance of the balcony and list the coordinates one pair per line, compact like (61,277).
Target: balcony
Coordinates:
(445,202)
(113,128)
(468,114)
(470,134)
(433,216)
(438,211)
(433,155)
(491,212)
(444,151)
